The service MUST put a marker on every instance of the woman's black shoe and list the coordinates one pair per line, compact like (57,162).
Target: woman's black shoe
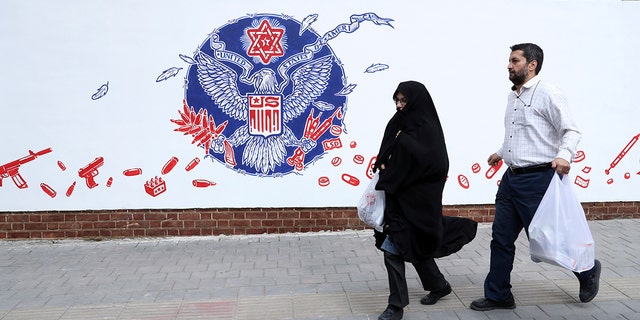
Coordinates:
(392,313)
(434,296)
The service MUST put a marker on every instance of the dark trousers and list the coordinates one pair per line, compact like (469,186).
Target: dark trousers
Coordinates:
(428,272)
(517,199)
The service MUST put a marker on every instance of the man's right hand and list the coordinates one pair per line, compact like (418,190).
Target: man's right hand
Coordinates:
(494,159)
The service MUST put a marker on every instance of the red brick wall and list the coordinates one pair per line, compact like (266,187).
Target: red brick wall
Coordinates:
(229,221)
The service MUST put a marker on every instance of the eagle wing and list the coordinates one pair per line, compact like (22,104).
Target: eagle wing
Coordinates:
(220,83)
(309,82)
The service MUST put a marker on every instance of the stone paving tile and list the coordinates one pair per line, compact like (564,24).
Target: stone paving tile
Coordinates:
(35,314)
(150,311)
(93,312)
(209,310)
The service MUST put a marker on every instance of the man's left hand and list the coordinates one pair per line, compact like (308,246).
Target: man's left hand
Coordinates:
(562,166)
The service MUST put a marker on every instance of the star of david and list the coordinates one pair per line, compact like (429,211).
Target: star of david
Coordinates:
(265,42)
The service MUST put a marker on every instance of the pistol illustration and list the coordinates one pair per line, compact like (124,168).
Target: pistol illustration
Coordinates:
(90,171)
(11,169)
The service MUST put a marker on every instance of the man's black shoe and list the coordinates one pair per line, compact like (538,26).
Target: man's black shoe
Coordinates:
(392,313)
(590,284)
(434,296)
(484,304)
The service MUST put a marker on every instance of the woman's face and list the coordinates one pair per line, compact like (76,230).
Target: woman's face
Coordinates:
(400,101)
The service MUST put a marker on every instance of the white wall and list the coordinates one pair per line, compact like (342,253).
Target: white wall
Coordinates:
(56,54)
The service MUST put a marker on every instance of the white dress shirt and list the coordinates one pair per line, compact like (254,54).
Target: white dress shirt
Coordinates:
(538,126)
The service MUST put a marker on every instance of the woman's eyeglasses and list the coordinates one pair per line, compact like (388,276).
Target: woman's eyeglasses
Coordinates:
(401,101)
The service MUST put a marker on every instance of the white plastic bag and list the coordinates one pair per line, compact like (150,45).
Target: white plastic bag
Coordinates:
(559,233)
(371,205)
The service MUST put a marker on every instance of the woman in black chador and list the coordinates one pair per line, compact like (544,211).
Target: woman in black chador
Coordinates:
(413,165)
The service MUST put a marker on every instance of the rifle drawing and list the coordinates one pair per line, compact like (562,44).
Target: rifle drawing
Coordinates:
(12,168)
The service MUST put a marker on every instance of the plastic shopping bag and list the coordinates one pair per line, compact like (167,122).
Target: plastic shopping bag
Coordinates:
(371,205)
(559,233)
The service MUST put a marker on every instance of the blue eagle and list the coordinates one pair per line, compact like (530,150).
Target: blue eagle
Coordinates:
(309,81)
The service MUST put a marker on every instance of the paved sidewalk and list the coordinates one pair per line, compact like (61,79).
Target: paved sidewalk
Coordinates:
(293,276)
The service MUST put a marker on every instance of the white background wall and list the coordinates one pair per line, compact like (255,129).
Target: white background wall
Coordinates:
(55,54)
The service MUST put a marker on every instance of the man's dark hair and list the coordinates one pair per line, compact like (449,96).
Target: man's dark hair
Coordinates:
(531,52)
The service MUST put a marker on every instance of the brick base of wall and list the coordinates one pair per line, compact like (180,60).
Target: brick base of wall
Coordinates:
(98,225)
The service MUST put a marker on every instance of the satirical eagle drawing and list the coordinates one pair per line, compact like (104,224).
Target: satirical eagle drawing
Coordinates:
(264,149)
(256,90)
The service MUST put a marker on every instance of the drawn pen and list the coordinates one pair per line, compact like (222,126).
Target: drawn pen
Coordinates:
(622,153)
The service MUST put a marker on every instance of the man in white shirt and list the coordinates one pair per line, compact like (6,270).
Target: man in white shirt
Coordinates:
(540,140)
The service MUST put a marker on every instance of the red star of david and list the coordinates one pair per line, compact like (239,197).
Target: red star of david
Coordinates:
(265,42)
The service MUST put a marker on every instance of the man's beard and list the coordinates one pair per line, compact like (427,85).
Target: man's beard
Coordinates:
(517,78)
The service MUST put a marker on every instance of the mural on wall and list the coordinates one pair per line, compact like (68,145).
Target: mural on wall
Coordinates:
(262,98)
(270,93)
(620,156)
(101,92)
(270,96)
(12,169)
(581,179)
